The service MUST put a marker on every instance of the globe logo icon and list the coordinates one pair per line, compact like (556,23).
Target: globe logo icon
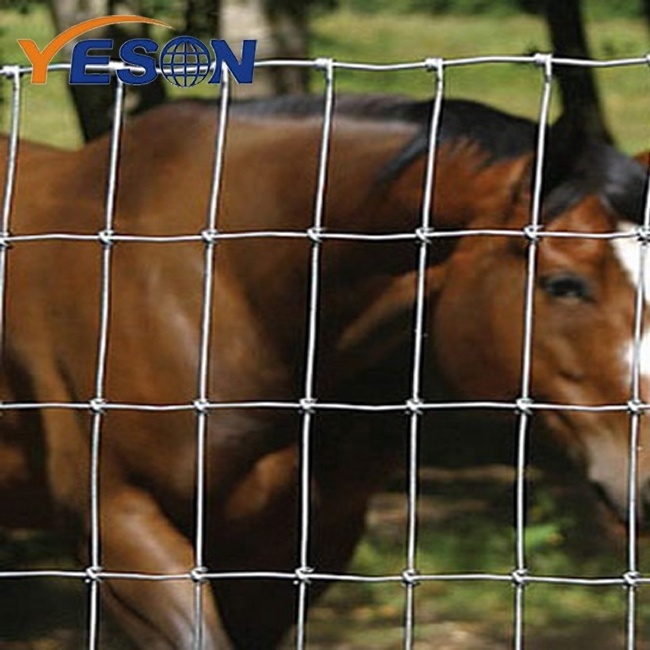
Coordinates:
(185,61)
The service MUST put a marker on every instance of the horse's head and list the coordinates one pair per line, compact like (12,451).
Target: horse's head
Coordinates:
(583,306)
(584,312)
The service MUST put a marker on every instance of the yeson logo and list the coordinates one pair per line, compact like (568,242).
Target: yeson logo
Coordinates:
(183,61)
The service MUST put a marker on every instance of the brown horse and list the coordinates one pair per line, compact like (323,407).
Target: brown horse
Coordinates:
(147,474)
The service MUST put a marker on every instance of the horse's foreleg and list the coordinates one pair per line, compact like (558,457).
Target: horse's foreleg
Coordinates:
(138,537)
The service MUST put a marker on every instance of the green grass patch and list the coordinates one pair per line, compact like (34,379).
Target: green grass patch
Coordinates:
(386,38)
(480,613)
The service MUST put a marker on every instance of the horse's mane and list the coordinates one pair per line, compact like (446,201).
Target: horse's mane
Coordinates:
(575,165)
(499,134)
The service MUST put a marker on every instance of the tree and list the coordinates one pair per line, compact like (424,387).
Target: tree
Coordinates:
(288,21)
(203,18)
(580,96)
(94,103)
(646,11)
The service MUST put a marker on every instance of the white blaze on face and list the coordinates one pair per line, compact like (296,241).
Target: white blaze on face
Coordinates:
(628,253)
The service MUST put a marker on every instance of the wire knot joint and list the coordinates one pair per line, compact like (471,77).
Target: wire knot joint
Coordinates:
(105,237)
(520,577)
(544,60)
(308,405)
(97,405)
(643,234)
(201,406)
(635,407)
(303,575)
(434,64)
(531,232)
(424,234)
(631,579)
(198,573)
(414,406)
(410,578)
(209,236)
(5,241)
(93,574)
(524,406)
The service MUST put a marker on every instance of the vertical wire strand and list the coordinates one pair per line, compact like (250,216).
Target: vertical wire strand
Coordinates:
(546,62)
(202,412)
(635,425)
(416,360)
(9,188)
(8,196)
(100,374)
(327,66)
(635,415)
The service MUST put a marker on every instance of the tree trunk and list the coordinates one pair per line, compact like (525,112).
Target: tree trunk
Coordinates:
(289,24)
(203,18)
(577,84)
(646,12)
(94,104)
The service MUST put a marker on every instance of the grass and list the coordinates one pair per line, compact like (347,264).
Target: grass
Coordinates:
(465,525)
(50,116)
(467,538)
(512,87)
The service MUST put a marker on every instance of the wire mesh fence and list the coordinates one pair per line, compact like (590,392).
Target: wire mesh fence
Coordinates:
(426,237)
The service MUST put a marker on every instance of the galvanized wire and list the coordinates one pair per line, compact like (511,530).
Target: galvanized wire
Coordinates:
(9,187)
(202,413)
(410,572)
(635,423)
(308,405)
(521,569)
(100,372)
(304,570)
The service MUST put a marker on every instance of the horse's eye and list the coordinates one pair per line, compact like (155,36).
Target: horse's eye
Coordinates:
(566,285)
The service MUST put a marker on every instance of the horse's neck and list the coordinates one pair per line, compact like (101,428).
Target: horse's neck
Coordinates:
(352,274)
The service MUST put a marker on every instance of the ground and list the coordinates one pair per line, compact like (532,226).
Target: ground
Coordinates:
(459,510)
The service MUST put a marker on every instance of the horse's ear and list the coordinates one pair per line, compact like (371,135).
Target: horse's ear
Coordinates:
(577,164)
(562,145)
(469,187)
(566,153)
(385,323)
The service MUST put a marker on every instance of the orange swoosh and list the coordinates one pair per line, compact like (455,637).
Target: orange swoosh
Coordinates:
(40,59)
